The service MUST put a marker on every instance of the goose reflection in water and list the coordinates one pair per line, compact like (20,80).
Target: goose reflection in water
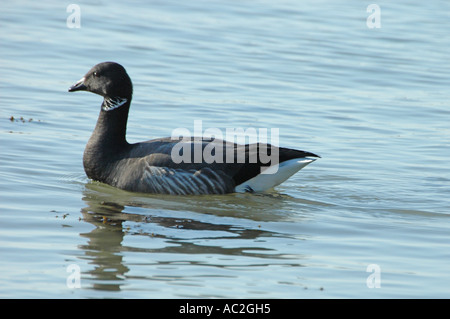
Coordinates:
(112,214)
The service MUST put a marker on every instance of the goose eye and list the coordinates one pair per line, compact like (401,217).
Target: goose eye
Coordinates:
(95,74)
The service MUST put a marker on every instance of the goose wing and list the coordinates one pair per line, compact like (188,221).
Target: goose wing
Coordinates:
(171,166)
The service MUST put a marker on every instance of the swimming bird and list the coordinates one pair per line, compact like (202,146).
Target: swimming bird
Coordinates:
(154,166)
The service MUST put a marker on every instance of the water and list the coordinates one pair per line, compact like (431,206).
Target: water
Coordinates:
(372,102)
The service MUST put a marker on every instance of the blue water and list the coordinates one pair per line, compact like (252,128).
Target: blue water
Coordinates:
(373,102)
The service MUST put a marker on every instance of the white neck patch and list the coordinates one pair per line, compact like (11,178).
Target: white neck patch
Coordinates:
(112,103)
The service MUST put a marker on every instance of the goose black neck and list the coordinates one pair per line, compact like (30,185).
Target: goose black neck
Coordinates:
(107,143)
(111,127)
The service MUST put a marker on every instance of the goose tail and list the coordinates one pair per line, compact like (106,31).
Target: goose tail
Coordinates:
(274,175)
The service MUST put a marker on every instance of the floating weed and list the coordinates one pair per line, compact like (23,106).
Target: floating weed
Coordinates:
(22,119)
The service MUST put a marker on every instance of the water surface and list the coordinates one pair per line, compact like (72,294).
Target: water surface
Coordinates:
(372,102)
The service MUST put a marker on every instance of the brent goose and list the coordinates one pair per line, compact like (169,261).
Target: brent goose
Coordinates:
(149,167)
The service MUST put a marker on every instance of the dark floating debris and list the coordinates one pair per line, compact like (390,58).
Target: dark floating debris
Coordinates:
(21,119)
